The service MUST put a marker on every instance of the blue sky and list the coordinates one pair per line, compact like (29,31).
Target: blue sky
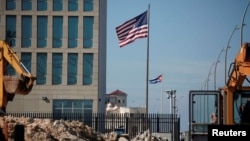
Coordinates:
(185,39)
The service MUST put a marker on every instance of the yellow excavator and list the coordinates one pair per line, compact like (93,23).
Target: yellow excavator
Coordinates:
(225,104)
(21,83)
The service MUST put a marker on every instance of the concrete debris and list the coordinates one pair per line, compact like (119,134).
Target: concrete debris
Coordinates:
(145,136)
(35,129)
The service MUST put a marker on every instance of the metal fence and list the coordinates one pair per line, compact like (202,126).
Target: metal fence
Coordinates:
(131,124)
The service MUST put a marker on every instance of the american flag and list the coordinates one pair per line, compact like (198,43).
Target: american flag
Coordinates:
(135,28)
(156,80)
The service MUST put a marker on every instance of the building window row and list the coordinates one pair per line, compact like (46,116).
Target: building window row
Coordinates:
(42,5)
(57,68)
(57,31)
(61,106)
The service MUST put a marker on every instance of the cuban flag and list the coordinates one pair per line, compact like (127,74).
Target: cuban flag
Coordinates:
(156,80)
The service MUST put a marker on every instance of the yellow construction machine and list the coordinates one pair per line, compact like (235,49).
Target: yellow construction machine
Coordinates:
(225,104)
(20,83)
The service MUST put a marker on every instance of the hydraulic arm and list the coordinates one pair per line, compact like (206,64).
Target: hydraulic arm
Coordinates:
(241,67)
(21,83)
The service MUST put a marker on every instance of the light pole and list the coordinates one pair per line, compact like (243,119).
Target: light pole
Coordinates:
(172,97)
(209,73)
(242,23)
(215,73)
(217,61)
(228,46)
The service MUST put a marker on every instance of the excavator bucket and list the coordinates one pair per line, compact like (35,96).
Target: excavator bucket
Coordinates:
(14,85)
(10,84)
(22,88)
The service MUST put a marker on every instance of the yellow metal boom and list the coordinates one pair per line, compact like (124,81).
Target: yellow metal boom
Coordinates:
(11,85)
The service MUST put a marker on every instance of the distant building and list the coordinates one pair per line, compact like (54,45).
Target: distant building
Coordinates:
(116,106)
(118,98)
(116,102)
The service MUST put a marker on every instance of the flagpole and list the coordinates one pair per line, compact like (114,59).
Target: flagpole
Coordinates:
(162,95)
(148,13)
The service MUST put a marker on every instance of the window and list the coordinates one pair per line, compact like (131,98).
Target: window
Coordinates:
(10,4)
(73,109)
(88,5)
(72,31)
(72,106)
(26,31)
(11,30)
(203,106)
(42,26)
(26,5)
(42,5)
(72,68)
(112,99)
(41,68)
(57,5)
(88,24)
(72,5)
(57,68)
(87,68)
(240,110)
(26,60)
(57,31)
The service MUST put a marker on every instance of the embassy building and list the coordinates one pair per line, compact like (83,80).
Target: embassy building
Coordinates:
(62,43)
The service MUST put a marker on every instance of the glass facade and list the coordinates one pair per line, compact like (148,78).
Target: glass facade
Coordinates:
(72,68)
(26,5)
(11,29)
(88,24)
(72,106)
(57,68)
(87,68)
(42,33)
(57,5)
(26,31)
(72,5)
(88,5)
(42,5)
(41,68)
(65,109)
(72,31)
(10,4)
(57,31)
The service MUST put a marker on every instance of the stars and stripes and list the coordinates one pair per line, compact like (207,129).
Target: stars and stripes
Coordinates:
(133,29)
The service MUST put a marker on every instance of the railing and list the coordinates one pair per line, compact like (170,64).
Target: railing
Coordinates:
(131,124)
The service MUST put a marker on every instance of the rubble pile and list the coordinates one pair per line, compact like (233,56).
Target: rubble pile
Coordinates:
(36,129)
(49,130)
